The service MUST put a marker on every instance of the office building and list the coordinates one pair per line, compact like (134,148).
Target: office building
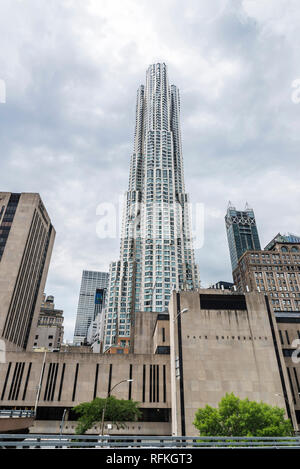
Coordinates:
(50,330)
(91,302)
(26,242)
(156,247)
(275,271)
(241,231)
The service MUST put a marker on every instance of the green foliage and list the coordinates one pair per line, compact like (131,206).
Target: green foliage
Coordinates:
(241,417)
(117,411)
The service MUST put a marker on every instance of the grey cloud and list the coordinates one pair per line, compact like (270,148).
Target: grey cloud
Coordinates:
(67,128)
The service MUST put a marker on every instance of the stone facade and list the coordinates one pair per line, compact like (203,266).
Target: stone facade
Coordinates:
(50,331)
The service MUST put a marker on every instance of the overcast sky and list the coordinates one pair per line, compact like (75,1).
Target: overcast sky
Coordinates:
(72,68)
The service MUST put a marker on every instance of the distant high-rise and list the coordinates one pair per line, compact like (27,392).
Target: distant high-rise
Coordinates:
(275,272)
(91,301)
(50,330)
(156,247)
(242,233)
(26,242)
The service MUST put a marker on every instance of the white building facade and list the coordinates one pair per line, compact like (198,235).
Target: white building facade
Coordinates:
(156,253)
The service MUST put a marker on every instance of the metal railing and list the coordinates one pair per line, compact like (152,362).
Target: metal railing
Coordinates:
(21,413)
(36,441)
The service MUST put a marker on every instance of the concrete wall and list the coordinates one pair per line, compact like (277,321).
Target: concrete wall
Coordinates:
(143,332)
(61,388)
(222,351)
(129,428)
(18,425)
(161,335)
(43,333)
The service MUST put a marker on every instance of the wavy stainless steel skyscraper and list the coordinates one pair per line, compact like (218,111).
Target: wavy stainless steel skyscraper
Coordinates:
(156,246)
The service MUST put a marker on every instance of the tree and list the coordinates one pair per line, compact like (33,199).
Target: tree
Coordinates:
(237,417)
(117,411)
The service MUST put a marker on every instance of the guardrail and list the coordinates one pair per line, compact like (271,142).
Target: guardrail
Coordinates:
(21,413)
(34,441)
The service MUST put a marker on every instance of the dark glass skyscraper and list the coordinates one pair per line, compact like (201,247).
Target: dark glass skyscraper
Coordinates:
(242,233)
(91,297)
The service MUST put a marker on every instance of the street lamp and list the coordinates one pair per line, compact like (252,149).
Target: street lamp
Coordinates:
(185,310)
(39,385)
(108,394)
(62,422)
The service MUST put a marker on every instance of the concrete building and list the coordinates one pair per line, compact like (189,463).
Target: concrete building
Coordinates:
(26,241)
(223,342)
(91,303)
(241,232)
(50,330)
(156,247)
(276,272)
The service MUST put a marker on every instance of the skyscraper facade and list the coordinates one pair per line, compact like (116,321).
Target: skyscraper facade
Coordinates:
(91,298)
(26,242)
(156,252)
(242,233)
(275,271)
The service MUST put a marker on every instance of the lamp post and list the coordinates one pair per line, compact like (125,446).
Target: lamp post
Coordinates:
(185,310)
(179,367)
(62,421)
(39,385)
(108,395)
